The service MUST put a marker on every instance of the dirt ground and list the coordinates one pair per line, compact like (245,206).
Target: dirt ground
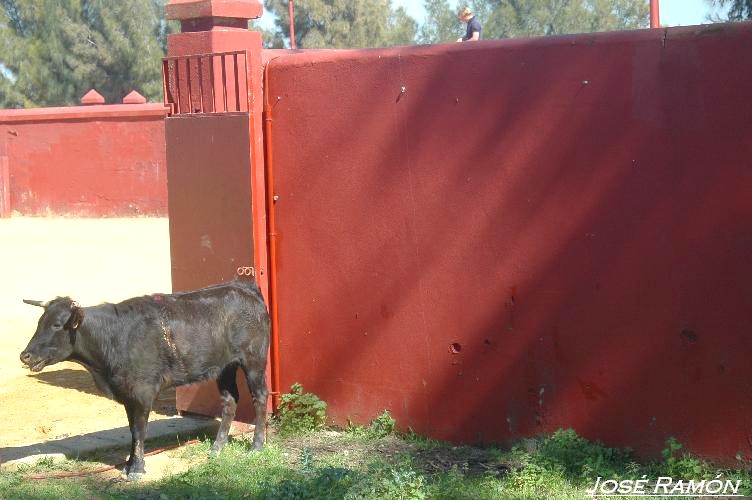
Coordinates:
(91,260)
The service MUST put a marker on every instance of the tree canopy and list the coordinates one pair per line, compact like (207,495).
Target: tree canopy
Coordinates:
(344,23)
(441,23)
(515,18)
(739,10)
(53,51)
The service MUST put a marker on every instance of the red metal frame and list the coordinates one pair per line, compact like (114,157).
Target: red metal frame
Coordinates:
(272,241)
(181,98)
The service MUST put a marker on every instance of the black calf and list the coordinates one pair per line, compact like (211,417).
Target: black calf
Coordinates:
(137,347)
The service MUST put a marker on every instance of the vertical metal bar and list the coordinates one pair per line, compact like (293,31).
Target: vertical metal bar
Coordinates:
(165,69)
(190,87)
(237,82)
(224,82)
(211,80)
(201,84)
(247,90)
(177,86)
(291,12)
(655,17)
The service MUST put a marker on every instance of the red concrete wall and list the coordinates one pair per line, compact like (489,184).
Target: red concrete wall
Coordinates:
(92,161)
(499,239)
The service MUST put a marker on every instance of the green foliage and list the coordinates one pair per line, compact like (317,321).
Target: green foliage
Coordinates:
(306,460)
(739,10)
(13,485)
(577,458)
(300,412)
(678,464)
(561,465)
(329,482)
(367,23)
(565,460)
(441,23)
(389,481)
(56,50)
(344,23)
(380,427)
(508,18)
(383,425)
(53,51)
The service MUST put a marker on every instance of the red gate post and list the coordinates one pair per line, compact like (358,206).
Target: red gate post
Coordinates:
(4,188)
(218,210)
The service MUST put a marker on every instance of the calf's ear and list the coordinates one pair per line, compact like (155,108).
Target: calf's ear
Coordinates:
(76,317)
(37,303)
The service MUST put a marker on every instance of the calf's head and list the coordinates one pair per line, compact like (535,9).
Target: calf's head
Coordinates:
(56,333)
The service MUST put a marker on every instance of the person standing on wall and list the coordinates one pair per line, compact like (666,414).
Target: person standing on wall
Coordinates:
(473,25)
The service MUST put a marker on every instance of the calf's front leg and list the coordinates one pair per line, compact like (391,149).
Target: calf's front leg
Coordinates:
(138,417)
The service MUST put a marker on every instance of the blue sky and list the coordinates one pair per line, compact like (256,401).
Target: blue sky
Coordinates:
(673,12)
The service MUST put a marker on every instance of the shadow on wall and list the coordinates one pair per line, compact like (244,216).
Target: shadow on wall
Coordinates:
(537,234)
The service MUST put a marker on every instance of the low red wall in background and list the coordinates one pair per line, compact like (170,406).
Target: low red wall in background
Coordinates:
(91,161)
(499,239)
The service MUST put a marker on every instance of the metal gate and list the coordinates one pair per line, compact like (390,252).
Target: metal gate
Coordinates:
(209,187)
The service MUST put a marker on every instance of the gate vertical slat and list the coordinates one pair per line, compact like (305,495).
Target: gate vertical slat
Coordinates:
(165,77)
(211,80)
(237,82)
(172,67)
(224,82)
(190,87)
(177,86)
(200,85)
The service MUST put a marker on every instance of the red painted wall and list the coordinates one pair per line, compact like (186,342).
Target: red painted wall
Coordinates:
(533,234)
(91,161)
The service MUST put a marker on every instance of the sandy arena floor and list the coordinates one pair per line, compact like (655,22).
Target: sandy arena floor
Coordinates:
(91,260)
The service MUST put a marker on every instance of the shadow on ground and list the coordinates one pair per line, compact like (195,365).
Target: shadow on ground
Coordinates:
(77,446)
(83,382)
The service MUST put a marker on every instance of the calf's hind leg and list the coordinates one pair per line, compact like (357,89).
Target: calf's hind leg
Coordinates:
(257,384)
(228,393)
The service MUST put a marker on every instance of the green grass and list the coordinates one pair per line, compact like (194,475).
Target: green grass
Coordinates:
(374,463)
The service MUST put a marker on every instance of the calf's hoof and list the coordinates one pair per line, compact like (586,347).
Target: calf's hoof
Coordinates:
(134,476)
(131,476)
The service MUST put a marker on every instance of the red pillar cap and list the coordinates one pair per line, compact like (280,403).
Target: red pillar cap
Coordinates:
(196,9)
(134,98)
(92,97)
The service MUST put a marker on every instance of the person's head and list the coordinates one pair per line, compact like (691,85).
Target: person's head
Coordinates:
(465,14)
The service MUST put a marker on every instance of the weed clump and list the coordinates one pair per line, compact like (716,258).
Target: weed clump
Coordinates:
(380,427)
(300,412)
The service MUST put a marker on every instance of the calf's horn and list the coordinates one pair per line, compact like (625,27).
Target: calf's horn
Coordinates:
(37,303)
